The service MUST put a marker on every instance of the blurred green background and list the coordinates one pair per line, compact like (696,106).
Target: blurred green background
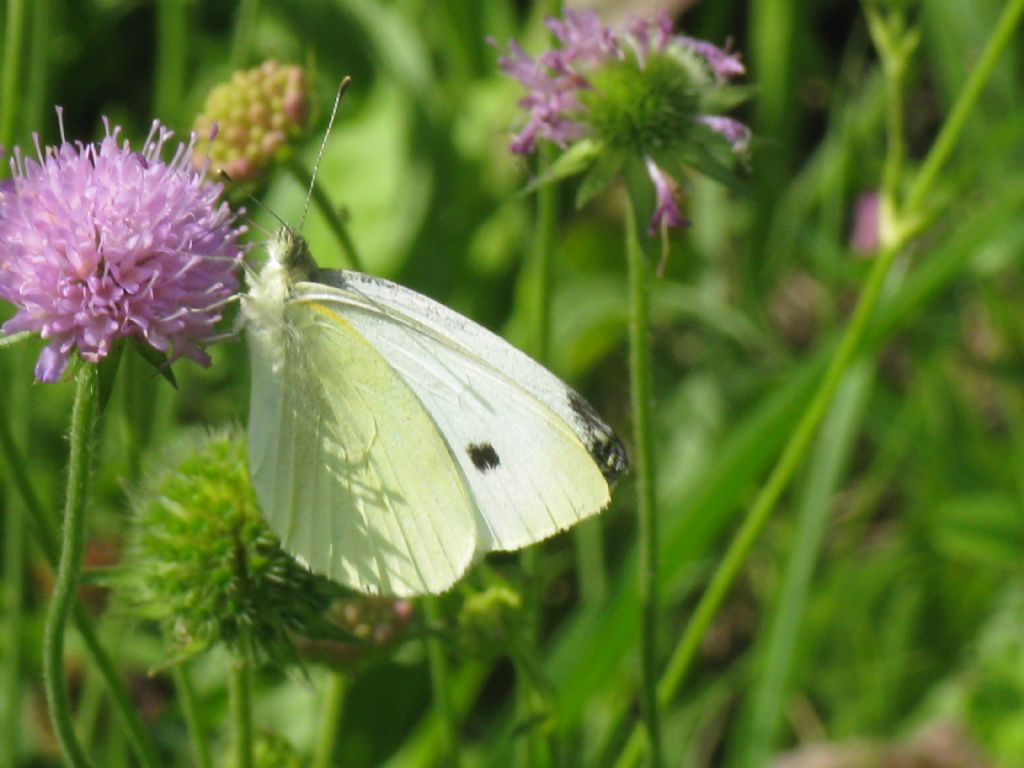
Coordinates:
(881,616)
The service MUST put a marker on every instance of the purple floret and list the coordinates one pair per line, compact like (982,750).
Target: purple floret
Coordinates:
(99,242)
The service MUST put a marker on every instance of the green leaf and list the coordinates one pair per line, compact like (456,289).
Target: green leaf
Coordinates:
(574,160)
(983,528)
(714,101)
(14,338)
(600,175)
(157,359)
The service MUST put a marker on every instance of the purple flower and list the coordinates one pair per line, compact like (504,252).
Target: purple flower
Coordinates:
(638,92)
(666,212)
(724,64)
(99,242)
(733,131)
(864,237)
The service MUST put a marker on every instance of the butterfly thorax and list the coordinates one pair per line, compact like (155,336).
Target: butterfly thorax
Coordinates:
(288,262)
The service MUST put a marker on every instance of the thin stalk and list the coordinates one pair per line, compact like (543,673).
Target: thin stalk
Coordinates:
(14,594)
(329,212)
(14,524)
(330,721)
(529,749)
(171,59)
(45,532)
(954,124)
(245,23)
(189,703)
(643,469)
(83,427)
(441,685)
(14,40)
(240,692)
(36,108)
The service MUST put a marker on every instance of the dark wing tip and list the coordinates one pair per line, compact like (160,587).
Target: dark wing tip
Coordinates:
(605,448)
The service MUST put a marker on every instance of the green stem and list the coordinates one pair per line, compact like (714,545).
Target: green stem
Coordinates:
(14,593)
(330,721)
(245,22)
(14,39)
(441,686)
(329,212)
(44,530)
(895,46)
(171,59)
(954,124)
(240,686)
(83,426)
(189,703)
(643,469)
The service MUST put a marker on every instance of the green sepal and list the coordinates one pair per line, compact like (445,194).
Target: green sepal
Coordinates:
(14,338)
(157,359)
(108,373)
(724,98)
(601,174)
(702,158)
(573,161)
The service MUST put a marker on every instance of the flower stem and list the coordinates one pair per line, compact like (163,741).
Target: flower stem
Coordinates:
(44,530)
(14,592)
(954,124)
(190,711)
(329,212)
(441,686)
(245,21)
(171,59)
(330,720)
(14,38)
(643,467)
(83,426)
(240,686)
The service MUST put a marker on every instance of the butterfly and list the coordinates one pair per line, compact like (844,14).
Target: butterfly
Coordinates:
(392,440)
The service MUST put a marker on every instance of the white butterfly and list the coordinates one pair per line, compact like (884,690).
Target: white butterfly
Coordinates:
(392,440)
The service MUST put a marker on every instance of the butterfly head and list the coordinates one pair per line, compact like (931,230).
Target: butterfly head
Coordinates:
(289,252)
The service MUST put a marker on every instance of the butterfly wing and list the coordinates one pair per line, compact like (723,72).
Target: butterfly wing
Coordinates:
(535,456)
(350,470)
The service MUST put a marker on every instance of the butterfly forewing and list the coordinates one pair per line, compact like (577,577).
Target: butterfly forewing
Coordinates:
(350,469)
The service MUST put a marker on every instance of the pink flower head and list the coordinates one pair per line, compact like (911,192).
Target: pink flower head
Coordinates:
(638,92)
(99,242)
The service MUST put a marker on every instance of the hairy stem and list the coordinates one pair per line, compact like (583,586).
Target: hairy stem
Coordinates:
(83,426)
(643,468)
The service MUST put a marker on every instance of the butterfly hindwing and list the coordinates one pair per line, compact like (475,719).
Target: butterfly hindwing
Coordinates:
(534,455)
(350,469)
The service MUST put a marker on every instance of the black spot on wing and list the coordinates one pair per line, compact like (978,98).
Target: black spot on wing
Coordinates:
(483,456)
(605,448)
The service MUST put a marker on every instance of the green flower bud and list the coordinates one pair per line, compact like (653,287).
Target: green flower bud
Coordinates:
(253,120)
(203,562)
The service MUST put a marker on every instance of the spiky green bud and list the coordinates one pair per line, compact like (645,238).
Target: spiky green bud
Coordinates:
(203,562)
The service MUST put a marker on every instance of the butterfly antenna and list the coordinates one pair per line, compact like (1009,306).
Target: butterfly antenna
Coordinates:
(323,144)
(223,176)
